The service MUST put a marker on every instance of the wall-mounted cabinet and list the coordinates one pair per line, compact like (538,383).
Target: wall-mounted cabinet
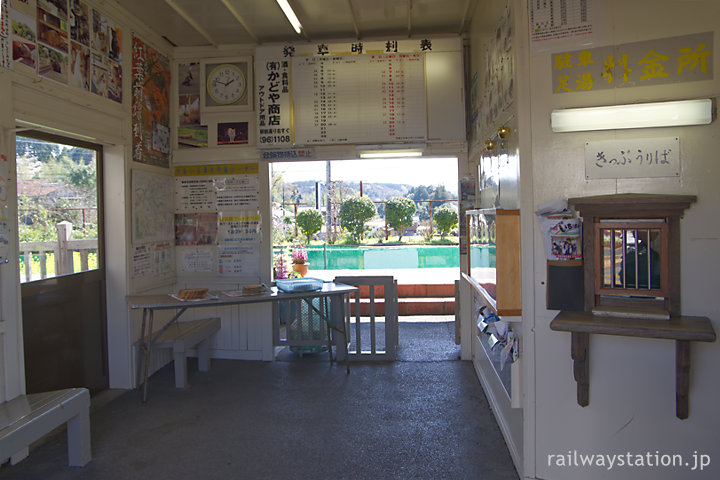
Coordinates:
(494,257)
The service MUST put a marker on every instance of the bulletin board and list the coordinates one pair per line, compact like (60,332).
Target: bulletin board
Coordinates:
(217,221)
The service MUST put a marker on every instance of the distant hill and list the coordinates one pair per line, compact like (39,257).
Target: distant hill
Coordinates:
(376,191)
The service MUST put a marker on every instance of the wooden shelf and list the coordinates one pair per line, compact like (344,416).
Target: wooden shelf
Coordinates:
(682,329)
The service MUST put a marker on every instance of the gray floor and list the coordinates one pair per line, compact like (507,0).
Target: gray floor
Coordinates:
(424,416)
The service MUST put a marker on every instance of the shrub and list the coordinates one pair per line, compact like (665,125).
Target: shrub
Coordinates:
(445,219)
(309,222)
(398,213)
(354,214)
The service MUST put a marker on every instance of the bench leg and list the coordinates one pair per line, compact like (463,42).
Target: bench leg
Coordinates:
(19,456)
(180,369)
(78,439)
(203,356)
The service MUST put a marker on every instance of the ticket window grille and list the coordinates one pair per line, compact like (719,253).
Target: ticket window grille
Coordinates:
(631,258)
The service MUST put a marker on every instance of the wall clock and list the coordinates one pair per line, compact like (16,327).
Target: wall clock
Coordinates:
(227,85)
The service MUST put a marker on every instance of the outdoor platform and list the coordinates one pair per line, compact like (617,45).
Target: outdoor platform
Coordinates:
(404,276)
(416,295)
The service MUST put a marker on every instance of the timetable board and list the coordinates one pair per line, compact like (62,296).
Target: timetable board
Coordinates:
(376,92)
(356,98)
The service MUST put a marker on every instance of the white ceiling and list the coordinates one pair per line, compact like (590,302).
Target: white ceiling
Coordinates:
(189,23)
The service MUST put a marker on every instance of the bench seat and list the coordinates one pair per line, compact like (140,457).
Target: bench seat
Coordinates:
(181,337)
(27,418)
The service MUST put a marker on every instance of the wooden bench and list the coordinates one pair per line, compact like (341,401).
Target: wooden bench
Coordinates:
(27,418)
(183,336)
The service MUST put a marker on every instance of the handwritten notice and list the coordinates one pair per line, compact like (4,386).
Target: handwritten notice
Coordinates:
(636,158)
(194,260)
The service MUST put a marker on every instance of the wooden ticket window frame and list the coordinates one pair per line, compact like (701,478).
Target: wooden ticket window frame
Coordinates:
(664,211)
(600,259)
(630,208)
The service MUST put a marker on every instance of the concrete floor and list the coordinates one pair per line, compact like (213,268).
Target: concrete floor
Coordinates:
(424,416)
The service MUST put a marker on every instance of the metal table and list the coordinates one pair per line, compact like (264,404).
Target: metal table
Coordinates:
(151,303)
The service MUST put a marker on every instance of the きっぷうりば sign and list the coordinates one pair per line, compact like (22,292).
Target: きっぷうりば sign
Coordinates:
(634,158)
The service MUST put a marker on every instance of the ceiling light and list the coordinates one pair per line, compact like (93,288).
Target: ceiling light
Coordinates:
(390,151)
(292,18)
(639,115)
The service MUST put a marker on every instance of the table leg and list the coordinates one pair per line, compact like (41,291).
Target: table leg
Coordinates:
(142,344)
(146,363)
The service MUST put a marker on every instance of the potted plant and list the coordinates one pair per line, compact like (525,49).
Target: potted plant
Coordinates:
(299,260)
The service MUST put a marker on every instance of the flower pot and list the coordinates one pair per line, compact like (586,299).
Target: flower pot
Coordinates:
(301,268)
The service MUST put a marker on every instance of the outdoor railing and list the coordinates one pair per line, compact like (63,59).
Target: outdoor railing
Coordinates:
(63,250)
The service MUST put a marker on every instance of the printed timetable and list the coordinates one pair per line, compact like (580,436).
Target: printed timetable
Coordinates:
(359,98)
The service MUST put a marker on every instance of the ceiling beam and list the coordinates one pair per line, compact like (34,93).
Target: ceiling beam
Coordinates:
(354,19)
(467,16)
(240,19)
(188,18)
(409,25)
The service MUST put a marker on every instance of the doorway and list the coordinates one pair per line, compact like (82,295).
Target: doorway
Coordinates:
(409,241)
(62,274)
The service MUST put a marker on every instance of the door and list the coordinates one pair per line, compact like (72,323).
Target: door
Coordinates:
(62,275)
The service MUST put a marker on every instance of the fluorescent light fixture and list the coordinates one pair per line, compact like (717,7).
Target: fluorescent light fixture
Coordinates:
(391,151)
(292,18)
(387,154)
(639,115)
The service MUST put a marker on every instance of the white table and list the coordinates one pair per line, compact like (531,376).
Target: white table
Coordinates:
(329,291)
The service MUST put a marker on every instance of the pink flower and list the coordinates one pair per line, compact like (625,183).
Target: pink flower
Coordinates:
(299,254)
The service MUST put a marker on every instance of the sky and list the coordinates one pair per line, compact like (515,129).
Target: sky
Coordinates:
(410,171)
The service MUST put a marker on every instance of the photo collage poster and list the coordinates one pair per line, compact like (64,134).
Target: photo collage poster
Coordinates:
(68,42)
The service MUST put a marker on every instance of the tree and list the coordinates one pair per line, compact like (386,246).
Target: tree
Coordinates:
(398,213)
(446,219)
(354,213)
(309,222)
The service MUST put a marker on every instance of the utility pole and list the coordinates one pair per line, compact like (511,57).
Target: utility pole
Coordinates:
(328,204)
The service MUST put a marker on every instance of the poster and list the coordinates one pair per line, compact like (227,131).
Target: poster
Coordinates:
(232,133)
(5,61)
(562,231)
(196,260)
(195,228)
(235,228)
(239,261)
(152,209)
(24,37)
(153,260)
(150,105)
(558,24)
(216,187)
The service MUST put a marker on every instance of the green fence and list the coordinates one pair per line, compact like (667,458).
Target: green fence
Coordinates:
(334,257)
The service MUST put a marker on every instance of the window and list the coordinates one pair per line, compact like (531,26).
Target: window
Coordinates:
(57,188)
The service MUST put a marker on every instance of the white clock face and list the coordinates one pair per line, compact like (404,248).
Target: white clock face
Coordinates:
(226,84)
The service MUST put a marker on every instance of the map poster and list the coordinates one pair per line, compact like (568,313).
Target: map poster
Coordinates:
(152,208)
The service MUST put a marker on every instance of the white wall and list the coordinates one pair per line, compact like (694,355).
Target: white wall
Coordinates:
(632,380)
(25,97)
